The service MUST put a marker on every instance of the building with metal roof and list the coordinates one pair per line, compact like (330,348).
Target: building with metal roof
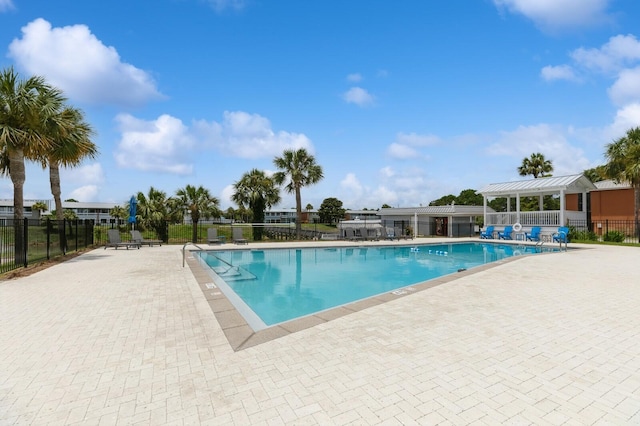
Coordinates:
(559,186)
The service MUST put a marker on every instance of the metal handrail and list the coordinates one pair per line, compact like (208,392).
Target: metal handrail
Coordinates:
(183,250)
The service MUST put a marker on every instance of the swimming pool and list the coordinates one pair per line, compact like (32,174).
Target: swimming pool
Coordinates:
(272,286)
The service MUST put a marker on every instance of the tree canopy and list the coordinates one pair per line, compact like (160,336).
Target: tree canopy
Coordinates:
(331,210)
(536,165)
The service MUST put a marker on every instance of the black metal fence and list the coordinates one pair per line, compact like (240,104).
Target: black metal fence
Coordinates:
(605,230)
(29,241)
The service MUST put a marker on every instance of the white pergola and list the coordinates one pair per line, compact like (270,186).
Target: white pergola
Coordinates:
(560,185)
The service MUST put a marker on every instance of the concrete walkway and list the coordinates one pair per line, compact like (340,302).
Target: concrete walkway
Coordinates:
(127,337)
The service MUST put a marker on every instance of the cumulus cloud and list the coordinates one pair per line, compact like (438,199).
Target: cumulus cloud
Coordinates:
(406,145)
(358,96)
(625,119)
(560,72)
(552,15)
(87,173)
(245,135)
(86,193)
(626,88)
(90,176)
(5,5)
(160,145)
(618,59)
(619,52)
(76,61)
(402,152)
(551,141)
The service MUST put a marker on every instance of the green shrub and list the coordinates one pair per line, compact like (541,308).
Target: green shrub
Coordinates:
(584,236)
(614,236)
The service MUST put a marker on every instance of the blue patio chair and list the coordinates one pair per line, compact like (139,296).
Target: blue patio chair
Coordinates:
(487,234)
(562,236)
(506,234)
(534,235)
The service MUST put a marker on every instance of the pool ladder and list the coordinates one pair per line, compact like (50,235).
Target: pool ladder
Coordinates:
(183,250)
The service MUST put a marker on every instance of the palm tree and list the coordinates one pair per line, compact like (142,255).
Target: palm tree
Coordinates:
(300,169)
(257,191)
(70,144)
(623,165)
(119,212)
(39,207)
(154,211)
(535,165)
(23,106)
(199,203)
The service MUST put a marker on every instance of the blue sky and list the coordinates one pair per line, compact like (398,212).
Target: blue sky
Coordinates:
(400,102)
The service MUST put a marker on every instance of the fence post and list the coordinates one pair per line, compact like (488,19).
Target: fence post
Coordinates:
(48,231)
(25,236)
(63,236)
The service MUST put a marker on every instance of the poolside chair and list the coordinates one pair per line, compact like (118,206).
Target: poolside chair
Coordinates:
(238,237)
(114,240)
(369,234)
(390,234)
(212,236)
(534,235)
(506,234)
(136,237)
(562,236)
(350,234)
(399,234)
(487,234)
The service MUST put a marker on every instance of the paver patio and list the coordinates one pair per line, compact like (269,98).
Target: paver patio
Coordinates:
(127,337)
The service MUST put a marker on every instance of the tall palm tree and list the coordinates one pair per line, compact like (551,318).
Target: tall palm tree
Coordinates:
(155,210)
(23,106)
(299,168)
(535,165)
(70,137)
(199,203)
(623,165)
(257,191)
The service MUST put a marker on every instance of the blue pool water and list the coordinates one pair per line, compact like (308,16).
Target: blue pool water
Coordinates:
(277,285)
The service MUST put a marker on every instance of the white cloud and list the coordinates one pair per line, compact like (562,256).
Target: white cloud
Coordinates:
(402,152)
(415,139)
(387,172)
(248,136)
(625,119)
(558,14)
(75,60)
(160,145)
(626,89)
(551,142)
(5,5)
(356,77)
(619,52)
(221,5)
(351,184)
(86,193)
(383,73)
(405,145)
(87,173)
(358,96)
(560,72)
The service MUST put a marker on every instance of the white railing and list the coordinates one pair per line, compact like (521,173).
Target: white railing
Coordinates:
(544,218)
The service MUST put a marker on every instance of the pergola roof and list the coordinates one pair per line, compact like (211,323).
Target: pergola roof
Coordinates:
(448,210)
(572,184)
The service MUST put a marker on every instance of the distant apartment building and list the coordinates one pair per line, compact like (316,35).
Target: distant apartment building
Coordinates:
(98,212)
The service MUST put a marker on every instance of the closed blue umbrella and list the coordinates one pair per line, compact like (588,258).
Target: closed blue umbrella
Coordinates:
(133,205)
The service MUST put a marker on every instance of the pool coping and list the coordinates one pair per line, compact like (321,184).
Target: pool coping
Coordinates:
(241,336)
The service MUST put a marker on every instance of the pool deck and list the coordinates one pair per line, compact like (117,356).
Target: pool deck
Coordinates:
(132,337)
